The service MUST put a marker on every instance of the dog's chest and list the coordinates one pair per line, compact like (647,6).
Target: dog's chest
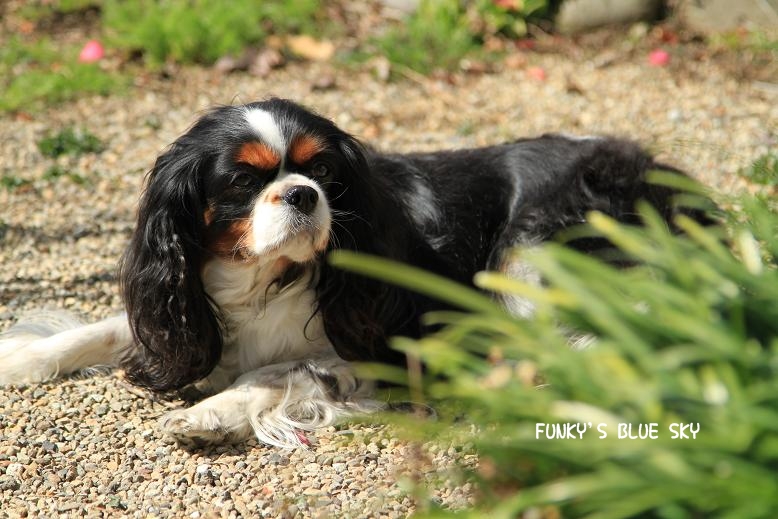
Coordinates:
(264,325)
(282,329)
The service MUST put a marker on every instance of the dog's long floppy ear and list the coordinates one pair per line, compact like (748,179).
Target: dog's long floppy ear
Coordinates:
(359,313)
(176,328)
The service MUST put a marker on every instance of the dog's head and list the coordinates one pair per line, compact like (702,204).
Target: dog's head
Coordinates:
(252,183)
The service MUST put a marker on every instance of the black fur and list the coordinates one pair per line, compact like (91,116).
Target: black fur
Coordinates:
(176,329)
(451,212)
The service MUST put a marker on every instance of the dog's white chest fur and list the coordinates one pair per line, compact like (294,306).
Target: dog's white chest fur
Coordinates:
(263,324)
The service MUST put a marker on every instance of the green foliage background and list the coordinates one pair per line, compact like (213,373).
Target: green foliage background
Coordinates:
(32,74)
(37,72)
(200,31)
(440,33)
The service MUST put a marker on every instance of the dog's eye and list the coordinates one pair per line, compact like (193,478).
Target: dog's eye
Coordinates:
(244,180)
(320,170)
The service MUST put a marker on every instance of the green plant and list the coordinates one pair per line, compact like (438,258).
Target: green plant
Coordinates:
(41,9)
(37,73)
(764,170)
(32,89)
(200,31)
(19,55)
(435,36)
(690,336)
(440,33)
(505,17)
(56,171)
(68,141)
(8,181)
(754,40)
(301,16)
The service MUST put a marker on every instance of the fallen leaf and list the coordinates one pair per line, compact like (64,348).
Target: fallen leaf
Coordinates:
(310,48)
(473,66)
(265,61)
(26,27)
(227,64)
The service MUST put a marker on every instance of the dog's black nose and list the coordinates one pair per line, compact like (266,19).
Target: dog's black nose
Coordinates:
(304,198)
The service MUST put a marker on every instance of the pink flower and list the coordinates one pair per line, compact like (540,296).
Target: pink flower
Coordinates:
(509,5)
(658,58)
(92,51)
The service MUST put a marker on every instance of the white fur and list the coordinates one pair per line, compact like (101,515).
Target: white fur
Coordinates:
(422,205)
(269,333)
(279,229)
(263,325)
(50,344)
(275,403)
(266,127)
(515,267)
(517,305)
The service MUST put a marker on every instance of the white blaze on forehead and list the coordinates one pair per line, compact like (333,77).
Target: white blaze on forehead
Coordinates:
(267,129)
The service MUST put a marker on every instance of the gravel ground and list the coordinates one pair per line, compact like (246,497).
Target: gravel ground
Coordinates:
(89,447)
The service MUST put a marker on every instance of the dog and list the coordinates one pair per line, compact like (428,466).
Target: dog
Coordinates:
(225,280)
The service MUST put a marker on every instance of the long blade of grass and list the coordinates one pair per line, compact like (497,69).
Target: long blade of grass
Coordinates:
(415,279)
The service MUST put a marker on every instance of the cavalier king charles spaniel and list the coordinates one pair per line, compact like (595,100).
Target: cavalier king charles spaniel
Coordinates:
(225,282)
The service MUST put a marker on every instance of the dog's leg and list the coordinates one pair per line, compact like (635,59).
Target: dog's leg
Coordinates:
(52,344)
(275,403)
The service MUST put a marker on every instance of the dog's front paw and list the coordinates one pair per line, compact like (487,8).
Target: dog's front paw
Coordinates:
(193,427)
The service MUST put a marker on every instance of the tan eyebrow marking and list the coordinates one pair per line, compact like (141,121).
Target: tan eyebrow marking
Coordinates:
(258,155)
(304,147)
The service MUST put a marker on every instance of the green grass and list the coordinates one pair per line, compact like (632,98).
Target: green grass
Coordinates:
(34,89)
(40,10)
(489,18)
(55,172)
(69,141)
(200,31)
(691,336)
(436,36)
(36,74)
(753,40)
(764,170)
(441,33)
(10,182)
(65,142)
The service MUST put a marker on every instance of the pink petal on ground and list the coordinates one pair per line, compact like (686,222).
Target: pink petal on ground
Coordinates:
(92,51)
(659,58)
(302,437)
(536,73)
(510,5)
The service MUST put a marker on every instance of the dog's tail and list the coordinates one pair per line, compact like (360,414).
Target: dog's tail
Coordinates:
(51,344)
